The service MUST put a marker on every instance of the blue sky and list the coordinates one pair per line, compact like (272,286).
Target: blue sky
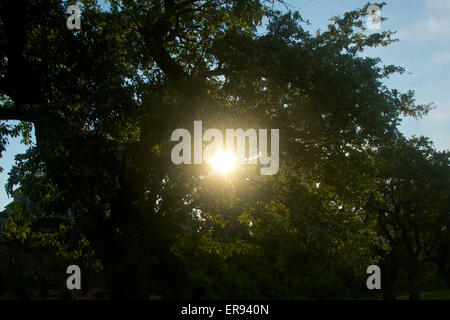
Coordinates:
(423,28)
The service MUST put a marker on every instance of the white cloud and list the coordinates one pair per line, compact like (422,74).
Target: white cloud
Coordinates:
(432,23)
(439,4)
(440,57)
(438,17)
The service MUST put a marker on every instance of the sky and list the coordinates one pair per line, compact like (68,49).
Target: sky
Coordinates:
(423,28)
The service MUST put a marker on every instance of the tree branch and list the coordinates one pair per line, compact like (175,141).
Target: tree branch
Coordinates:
(15,114)
(5,87)
(218,72)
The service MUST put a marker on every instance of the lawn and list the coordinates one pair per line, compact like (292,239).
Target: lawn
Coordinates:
(430,295)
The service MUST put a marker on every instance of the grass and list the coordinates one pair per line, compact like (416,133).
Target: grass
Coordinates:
(443,294)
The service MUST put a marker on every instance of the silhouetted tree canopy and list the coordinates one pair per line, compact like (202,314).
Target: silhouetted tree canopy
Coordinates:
(103,101)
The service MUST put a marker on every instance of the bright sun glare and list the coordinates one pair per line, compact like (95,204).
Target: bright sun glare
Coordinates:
(223,162)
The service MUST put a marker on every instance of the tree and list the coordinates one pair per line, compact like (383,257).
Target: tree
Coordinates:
(104,101)
(410,201)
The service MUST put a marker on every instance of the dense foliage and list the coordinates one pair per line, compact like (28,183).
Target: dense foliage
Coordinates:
(351,190)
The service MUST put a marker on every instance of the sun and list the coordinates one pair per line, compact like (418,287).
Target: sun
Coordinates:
(223,162)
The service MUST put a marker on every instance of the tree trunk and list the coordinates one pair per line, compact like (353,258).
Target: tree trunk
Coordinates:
(413,286)
(389,275)
(123,275)
(447,279)
(445,273)
(130,242)
(128,279)
(126,282)
(128,258)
